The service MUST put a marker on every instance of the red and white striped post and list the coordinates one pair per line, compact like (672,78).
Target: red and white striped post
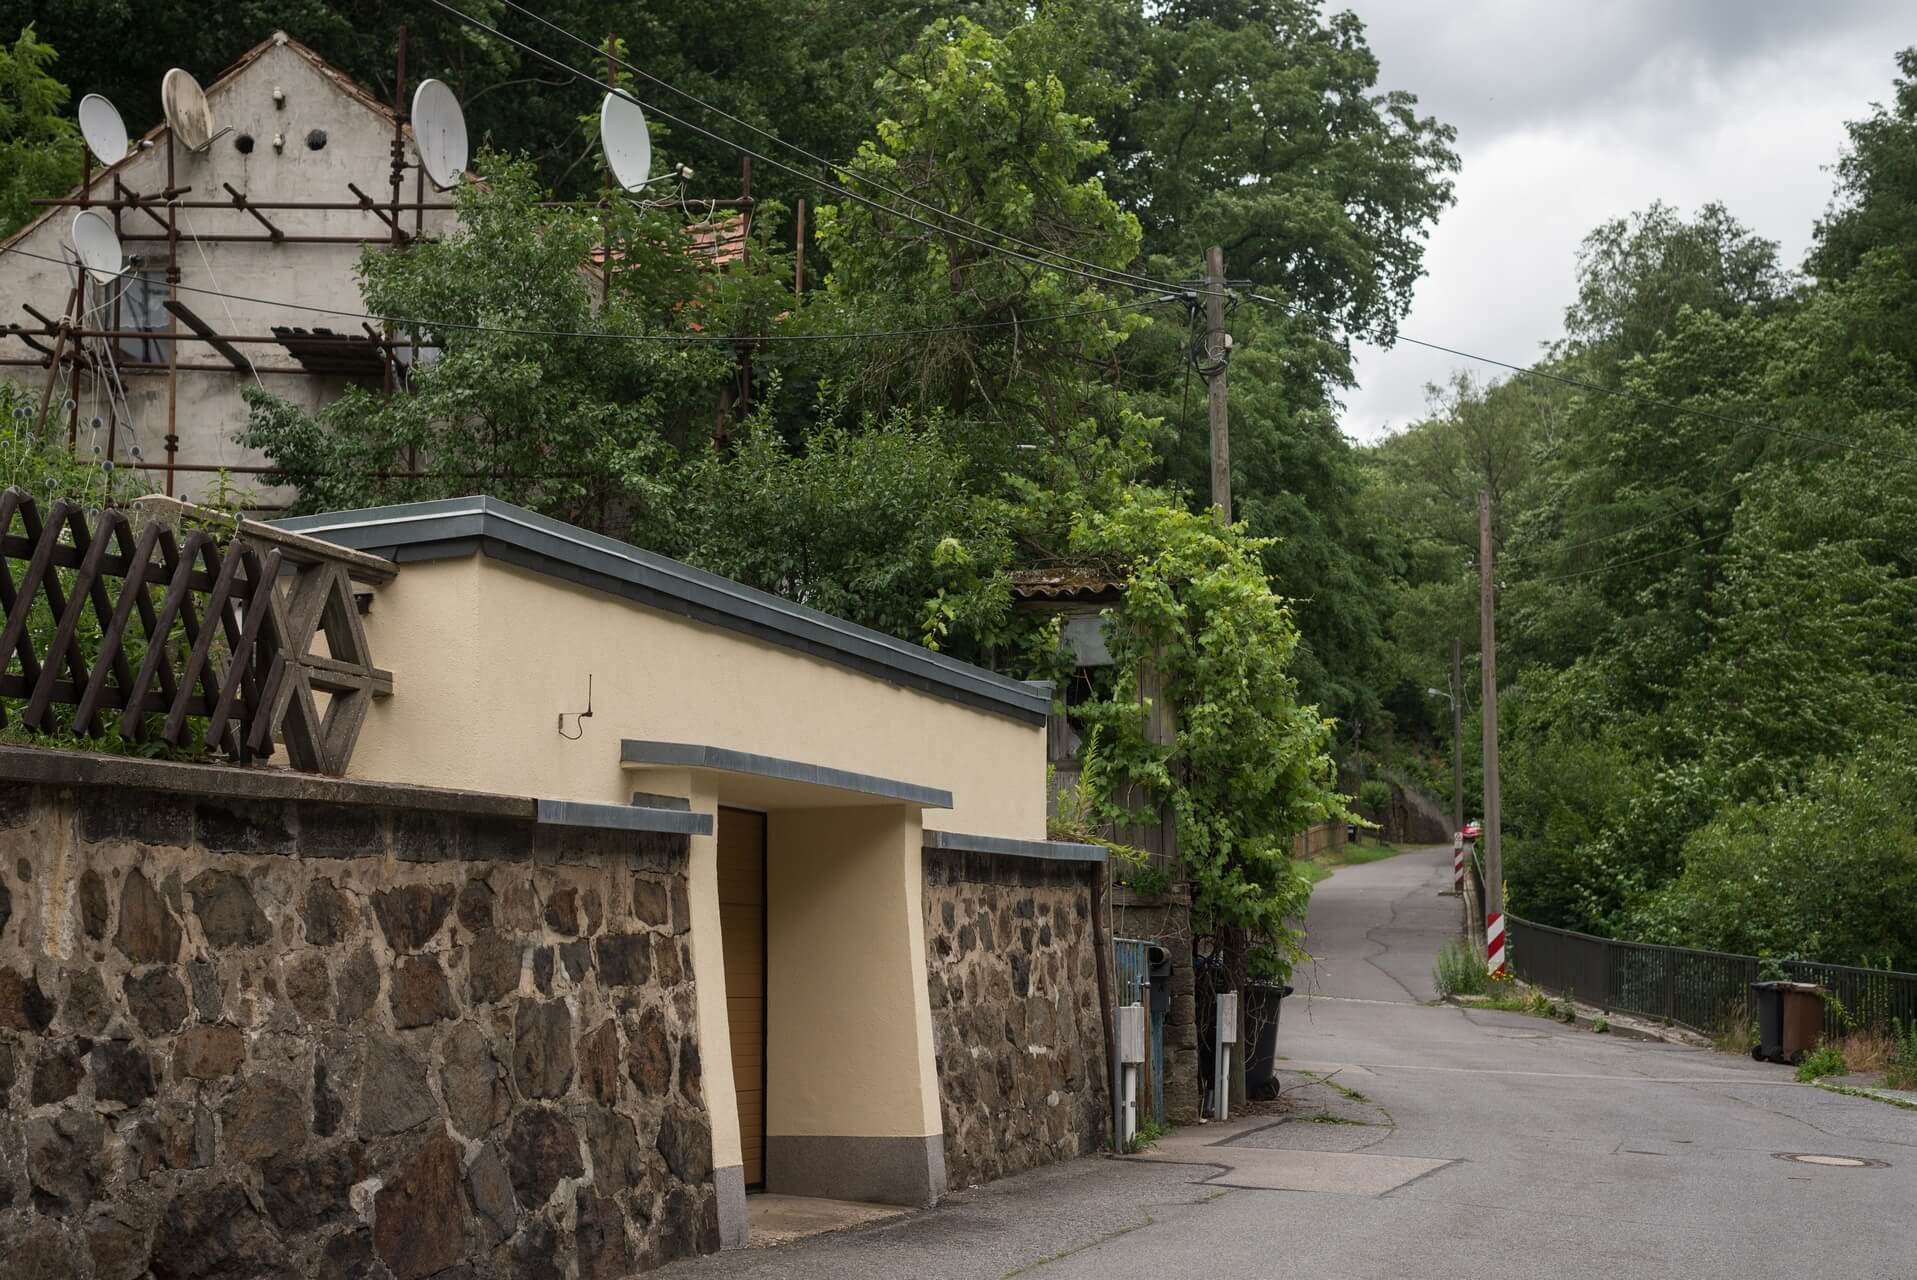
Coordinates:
(1457,862)
(1494,942)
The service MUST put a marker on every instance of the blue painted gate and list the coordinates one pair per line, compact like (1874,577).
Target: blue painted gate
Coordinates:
(1131,962)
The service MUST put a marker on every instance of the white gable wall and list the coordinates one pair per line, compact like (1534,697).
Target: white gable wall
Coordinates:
(209,409)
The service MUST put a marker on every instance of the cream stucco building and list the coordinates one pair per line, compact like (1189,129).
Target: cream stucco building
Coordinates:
(825,767)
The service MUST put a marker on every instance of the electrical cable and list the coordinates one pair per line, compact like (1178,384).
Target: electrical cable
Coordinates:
(683,339)
(1532,371)
(1135,279)
(1103,278)
(1619,564)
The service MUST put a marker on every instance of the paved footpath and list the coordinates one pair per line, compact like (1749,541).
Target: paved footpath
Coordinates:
(1427,1141)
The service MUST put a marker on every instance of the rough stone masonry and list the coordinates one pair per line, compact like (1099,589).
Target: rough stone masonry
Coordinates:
(286,1038)
(1014,995)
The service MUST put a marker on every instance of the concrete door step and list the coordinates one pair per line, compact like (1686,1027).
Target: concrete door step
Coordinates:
(775,1219)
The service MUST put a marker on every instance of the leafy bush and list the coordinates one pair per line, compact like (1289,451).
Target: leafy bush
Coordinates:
(1825,1060)
(879,526)
(1827,869)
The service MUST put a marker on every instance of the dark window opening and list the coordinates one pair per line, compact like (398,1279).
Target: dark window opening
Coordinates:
(139,304)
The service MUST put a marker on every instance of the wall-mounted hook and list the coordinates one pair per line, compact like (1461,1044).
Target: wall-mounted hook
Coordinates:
(579,718)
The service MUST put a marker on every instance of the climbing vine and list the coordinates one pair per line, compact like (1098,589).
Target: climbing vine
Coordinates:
(1247,766)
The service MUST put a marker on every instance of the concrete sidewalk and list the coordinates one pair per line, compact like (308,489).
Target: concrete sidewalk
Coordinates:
(1002,1229)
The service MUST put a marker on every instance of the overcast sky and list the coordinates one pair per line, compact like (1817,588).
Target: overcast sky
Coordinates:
(1571,114)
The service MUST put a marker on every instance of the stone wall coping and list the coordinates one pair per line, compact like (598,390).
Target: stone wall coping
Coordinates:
(634,753)
(1050,850)
(623,817)
(230,782)
(456,527)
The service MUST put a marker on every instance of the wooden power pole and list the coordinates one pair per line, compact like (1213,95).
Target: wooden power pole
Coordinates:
(1217,351)
(1457,736)
(1493,847)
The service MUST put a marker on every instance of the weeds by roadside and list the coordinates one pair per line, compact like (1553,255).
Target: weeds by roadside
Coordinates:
(1149,1131)
(1738,1036)
(1825,1060)
(1901,1073)
(1460,971)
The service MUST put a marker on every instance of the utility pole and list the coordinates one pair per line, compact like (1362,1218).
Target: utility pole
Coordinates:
(1457,735)
(1217,352)
(1493,848)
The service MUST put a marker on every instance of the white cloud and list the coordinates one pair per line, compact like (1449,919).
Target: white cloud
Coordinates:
(1571,116)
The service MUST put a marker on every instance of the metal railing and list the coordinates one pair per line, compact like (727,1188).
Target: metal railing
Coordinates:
(1702,990)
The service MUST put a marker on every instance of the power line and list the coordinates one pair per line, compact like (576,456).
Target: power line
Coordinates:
(1620,564)
(682,339)
(1101,276)
(1137,280)
(1652,522)
(1533,371)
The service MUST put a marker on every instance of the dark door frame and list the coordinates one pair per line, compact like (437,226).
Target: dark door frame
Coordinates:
(765,1004)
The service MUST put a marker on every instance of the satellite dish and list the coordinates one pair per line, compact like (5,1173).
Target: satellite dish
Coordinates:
(439,131)
(98,246)
(101,126)
(186,111)
(626,141)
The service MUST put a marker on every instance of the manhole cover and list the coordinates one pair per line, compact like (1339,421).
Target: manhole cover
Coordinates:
(1831,1162)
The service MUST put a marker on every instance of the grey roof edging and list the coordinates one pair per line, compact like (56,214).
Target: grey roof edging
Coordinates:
(692,755)
(464,526)
(622,817)
(1002,846)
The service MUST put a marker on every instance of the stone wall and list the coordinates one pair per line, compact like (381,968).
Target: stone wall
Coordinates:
(1015,1021)
(289,1038)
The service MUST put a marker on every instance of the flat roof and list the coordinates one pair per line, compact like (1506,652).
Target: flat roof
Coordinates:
(635,753)
(456,527)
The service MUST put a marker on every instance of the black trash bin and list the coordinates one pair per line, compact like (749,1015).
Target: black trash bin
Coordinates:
(1263,1002)
(1770,1021)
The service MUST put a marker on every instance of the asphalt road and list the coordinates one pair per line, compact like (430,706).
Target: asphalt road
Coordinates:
(1425,1141)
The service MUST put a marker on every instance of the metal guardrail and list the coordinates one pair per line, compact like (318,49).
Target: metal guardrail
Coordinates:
(1701,990)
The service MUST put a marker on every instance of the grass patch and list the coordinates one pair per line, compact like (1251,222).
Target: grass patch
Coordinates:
(1353,854)
(1358,854)
(1852,1092)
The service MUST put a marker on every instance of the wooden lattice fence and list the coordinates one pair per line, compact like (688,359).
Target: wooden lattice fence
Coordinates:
(166,624)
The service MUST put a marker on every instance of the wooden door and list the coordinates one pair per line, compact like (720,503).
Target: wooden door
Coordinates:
(742,936)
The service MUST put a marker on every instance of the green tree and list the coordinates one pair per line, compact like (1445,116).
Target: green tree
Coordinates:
(550,388)
(975,125)
(1258,125)
(1636,275)
(39,147)
(1876,200)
